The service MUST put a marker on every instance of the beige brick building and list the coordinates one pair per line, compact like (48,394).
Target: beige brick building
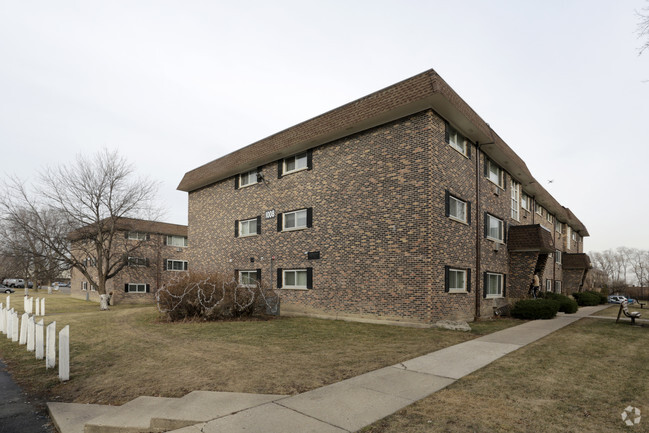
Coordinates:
(403,205)
(154,253)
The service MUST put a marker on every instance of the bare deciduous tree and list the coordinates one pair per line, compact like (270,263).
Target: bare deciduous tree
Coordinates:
(643,28)
(77,211)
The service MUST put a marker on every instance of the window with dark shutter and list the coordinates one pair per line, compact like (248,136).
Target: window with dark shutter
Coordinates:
(309,217)
(236,228)
(309,159)
(259,225)
(279,277)
(309,278)
(280,168)
(280,227)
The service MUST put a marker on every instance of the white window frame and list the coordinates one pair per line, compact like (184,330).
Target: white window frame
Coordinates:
(495,169)
(457,202)
(136,287)
(526,202)
(538,209)
(557,286)
(548,285)
(299,159)
(558,226)
(248,273)
(516,196)
(548,216)
(574,236)
(454,139)
(250,178)
(296,213)
(501,229)
(246,224)
(285,285)
(136,236)
(170,265)
(462,289)
(137,262)
(499,289)
(557,257)
(84,286)
(177,241)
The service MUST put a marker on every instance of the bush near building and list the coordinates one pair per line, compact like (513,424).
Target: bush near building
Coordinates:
(566,305)
(533,309)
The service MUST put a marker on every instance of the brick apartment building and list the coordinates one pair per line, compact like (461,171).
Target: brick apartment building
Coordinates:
(155,253)
(402,205)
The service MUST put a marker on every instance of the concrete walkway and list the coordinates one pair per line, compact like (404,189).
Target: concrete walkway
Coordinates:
(345,406)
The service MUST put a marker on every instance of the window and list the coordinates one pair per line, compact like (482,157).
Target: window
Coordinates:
(137,236)
(557,257)
(249,278)
(247,179)
(548,285)
(458,209)
(493,285)
(457,280)
(538,209)
(557,286)
(295,163)
(526,202)
(177,241)
(494,173)
(457,140)
(84,286)
(515,199)
(295,278)
(176,265)
(295,220)
(138,261)
(494,228)
(136,288)
(568,236)
(558,226)
(248,227)
(548,216)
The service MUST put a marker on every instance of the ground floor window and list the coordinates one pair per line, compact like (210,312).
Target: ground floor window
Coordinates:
(84,286)
(136,288)
(548,285)
(494,285)
(249,278)
(457,280)
(295,278)
(176,265)
(557,286)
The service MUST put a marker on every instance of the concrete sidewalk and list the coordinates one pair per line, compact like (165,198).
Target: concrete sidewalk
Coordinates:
(345,406)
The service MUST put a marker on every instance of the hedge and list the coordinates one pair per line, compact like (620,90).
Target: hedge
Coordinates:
(532,309)
(566,305)
(586,298)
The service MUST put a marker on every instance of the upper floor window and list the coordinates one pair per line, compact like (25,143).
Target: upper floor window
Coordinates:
(494,228)
(137,236)
(136,288)
(295,220)
(548,285)
(494,173)
(249,227)
(494,285)
(557,286)
(574,236)
(548,216)
(558,226)
(138,261)
(458,209)
(177,241)
(526,202)
(515,199)
(176,265)
(457,141)
(538,209)
(557,257)
(248,178)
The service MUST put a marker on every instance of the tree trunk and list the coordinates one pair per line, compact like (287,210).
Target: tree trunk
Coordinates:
(103,302)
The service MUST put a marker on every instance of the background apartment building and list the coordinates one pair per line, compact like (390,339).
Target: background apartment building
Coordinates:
(402,205)
(154,253)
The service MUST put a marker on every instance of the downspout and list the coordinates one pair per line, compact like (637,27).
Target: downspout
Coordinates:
(478,238)
(554,256)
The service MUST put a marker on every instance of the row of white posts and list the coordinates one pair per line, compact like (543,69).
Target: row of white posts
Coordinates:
(28,306)
(27,331)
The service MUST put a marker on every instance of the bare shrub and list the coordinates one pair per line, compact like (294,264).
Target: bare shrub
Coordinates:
(214,297)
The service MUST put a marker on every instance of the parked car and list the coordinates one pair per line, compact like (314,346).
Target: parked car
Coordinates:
(630,300)
(5,289)
(616,299)
(13,282)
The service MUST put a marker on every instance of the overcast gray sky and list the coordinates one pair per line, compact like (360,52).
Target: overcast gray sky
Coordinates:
(175,84)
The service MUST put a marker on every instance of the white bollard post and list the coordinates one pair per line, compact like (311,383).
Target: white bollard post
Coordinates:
(49,290)
(10,323)
(38,308)
(30,304)
(50,346)
(8,302)
(16,327)
(25,306)
(31,331)
(23,329)
(39,339)
(64,353)
(2,319)
(42,306)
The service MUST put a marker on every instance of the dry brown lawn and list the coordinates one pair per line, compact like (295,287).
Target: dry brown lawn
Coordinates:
(578,379)
(615,308)
(128,351)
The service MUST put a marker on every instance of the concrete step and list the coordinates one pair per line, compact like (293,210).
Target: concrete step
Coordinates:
(72,417)
(132,417)
(201,406)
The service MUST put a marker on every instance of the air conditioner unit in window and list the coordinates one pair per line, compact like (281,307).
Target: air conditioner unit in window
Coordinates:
(496,246)
(178,250)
